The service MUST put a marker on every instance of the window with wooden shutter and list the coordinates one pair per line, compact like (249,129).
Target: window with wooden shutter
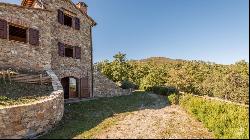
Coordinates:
(77,23)
(3,29)
(61,51)
(60,17)
(33,36)
(77,52)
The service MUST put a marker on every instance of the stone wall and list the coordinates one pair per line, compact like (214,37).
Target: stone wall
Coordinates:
(23,55)
(29,120)
(103,87)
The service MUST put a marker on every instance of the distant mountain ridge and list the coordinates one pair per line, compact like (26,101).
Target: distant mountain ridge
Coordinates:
(164,60)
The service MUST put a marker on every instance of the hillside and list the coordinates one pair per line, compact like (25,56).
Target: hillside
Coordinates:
(230,82)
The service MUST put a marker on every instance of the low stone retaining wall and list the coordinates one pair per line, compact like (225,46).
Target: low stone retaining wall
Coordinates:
(103,87)
(29,120)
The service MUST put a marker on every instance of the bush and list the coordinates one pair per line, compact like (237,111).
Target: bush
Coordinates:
(163,90)
(127,85)
(225,120)
(173,99)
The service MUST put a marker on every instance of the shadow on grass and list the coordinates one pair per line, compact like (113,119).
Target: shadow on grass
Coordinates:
(83,116)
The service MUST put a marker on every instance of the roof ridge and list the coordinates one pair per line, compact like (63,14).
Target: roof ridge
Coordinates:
(20,6)
(27,2)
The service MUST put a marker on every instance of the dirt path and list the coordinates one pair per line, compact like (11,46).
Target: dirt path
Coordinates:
(168,122)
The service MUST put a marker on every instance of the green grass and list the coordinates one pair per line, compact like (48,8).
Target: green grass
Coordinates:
(225,120)
(87,119)
(12,93)
(173,99)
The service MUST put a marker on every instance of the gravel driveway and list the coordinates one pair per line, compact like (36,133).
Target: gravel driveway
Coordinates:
(166,122)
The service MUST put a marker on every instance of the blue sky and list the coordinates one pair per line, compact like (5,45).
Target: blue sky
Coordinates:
(209,30)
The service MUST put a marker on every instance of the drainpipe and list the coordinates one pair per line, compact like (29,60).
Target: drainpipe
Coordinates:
(92,70)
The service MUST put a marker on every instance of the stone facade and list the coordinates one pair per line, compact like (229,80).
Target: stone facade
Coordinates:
(70,67)
(23,55)
(46,55)
(29,120)
(103,87)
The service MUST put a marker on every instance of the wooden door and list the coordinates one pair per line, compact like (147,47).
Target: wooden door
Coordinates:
(65,84)
(85,88)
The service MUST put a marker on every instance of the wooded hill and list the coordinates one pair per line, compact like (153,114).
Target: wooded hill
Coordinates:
(230,82)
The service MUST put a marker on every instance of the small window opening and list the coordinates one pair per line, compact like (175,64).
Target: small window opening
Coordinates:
(17,34)
(68,20)
(69,52)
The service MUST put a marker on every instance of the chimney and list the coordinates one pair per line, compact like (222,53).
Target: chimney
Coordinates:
(82,7)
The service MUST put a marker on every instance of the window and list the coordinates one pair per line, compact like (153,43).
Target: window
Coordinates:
(17,33)
(68,20)
(69,51)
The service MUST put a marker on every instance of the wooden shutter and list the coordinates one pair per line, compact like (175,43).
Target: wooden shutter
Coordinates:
(77,23)
(60,17)
(3,29)
(61,50)
(84,88)
(33,36)
(77,52)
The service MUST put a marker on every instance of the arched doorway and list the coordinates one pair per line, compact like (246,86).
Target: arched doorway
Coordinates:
(70,87)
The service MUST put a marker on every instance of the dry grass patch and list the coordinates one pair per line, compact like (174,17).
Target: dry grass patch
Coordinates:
(12,93)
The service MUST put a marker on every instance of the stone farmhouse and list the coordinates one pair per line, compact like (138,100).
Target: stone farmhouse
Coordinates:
(56,35)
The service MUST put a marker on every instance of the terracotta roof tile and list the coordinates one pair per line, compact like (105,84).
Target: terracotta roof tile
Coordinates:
(27,3)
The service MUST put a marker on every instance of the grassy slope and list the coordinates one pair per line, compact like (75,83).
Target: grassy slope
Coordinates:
(12,93)
(224,120)
(85,119)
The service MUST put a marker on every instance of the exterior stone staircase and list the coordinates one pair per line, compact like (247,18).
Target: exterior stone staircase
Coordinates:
(104,87)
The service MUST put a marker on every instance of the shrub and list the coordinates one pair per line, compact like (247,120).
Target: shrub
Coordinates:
(173,99)
(225,120)
(127,85)
(163,90)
